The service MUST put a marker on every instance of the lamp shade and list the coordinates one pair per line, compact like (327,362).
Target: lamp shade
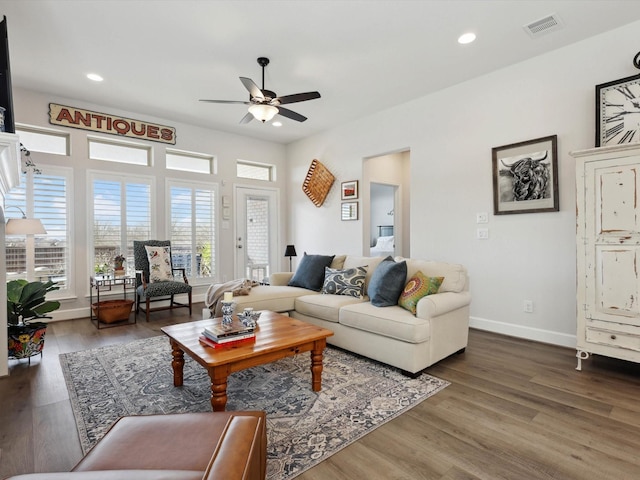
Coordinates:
(24,226)
(264,113)
(290,251)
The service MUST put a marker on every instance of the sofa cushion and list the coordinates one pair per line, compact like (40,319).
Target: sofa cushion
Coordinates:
(394,322)
(338,262)
(387,283)
(344,282)
(371,263)
(310,271)
(270,297)
(418,286)
(455,275)
(325,307)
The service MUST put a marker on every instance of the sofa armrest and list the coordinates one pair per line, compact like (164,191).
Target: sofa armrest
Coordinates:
(440,303)
(241,452)
(280,279)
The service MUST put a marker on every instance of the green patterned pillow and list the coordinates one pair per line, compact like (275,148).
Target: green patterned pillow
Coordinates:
(344,282)
(417,287)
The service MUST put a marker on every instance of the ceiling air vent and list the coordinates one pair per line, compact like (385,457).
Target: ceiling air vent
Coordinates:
(547,24)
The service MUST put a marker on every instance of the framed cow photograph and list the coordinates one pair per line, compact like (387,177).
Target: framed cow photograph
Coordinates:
(525,177)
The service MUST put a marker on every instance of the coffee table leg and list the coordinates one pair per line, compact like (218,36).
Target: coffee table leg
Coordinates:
(177,363)
(316,364)
(218,377)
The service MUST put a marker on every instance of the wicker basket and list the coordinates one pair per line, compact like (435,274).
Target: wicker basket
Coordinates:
(317,183)
(110,311)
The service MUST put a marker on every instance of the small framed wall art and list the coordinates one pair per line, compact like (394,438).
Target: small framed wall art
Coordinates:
(525,177)
(349,210)
(350,190)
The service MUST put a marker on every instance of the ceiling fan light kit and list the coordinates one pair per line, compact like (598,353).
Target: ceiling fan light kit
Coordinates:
(264,113)
(265,104)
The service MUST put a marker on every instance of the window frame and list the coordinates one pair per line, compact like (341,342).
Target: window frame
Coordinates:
(268,166)
(213,163)
(120,143)
(215,188)
(29,209)
(107,176)
(21,127)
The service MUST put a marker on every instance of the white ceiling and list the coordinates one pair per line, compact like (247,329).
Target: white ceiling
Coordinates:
(159,57)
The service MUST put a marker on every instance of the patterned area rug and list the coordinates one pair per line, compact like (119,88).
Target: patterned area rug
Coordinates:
(303,427)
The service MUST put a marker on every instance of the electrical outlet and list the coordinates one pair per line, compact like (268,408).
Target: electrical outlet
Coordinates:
(482,233)
(528,306)
(482,217)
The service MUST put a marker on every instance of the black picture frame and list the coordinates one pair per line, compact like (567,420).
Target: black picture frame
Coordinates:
(525,177)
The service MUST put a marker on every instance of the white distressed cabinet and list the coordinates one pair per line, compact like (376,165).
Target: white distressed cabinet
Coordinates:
(608,252)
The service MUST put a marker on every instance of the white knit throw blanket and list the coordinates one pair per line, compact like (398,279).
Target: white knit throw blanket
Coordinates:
(216,291)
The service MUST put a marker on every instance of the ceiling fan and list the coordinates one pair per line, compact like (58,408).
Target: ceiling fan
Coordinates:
(265,104)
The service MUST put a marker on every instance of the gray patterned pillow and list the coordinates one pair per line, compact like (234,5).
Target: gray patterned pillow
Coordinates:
(344,282)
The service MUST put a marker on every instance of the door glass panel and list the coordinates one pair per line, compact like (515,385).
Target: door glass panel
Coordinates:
(257,238)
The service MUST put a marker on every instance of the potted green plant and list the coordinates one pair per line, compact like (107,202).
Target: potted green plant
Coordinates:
(118,265)
(26,304)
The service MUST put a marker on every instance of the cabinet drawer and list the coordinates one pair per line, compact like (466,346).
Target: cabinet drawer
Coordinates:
(611,338)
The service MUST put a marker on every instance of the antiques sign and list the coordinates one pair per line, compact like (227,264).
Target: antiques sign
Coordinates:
(112,124)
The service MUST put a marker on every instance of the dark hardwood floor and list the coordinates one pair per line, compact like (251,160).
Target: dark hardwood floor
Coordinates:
(514,410)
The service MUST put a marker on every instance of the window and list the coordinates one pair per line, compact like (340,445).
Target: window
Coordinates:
(123,152)
(192,230)
(121,212)
(43,140)
(255,171)
(45,196)
(190,162)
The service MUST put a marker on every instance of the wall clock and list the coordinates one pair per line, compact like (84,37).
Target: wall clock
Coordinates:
(618,112)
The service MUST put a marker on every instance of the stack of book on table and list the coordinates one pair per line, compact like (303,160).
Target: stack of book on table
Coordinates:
(218,335)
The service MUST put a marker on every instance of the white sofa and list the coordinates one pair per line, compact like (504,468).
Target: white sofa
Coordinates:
(391,335)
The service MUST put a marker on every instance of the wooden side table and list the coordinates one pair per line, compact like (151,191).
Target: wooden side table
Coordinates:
(107,283)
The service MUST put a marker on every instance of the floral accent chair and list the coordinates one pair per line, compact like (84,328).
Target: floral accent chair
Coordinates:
(155,276)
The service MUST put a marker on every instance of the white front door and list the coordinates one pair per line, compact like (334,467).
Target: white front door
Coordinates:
(256,230)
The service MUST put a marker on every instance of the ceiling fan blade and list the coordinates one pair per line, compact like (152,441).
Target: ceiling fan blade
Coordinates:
(252,87)
(285,112)
(247,118)
(298,97)
(226,101)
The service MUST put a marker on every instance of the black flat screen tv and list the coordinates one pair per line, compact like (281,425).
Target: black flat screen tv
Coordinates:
(6,97)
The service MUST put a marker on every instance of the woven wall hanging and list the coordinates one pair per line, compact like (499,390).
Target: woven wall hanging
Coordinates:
(317,183)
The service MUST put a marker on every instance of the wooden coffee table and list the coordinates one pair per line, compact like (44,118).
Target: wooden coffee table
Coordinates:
(277,336)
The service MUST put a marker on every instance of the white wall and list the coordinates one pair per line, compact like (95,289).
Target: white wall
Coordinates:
(31,108)
(450,135)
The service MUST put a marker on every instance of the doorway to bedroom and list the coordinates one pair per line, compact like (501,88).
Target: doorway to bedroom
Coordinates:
(386,204)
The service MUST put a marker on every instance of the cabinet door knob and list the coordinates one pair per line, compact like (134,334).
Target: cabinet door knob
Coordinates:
(613,337)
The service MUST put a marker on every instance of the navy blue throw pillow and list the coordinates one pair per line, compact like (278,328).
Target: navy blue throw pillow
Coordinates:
(310,272)
(387,283)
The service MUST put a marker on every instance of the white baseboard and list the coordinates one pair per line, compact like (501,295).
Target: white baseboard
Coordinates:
(73,313)
(530,333)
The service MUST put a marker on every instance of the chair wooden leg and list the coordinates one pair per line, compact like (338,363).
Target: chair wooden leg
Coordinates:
(189,303)
(148,306)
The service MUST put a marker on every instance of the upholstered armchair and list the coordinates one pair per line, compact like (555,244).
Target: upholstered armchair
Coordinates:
(155,276)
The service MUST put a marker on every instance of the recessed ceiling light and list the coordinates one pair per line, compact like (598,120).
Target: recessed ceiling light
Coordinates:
(466,38)
(95,77)
(276,124)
